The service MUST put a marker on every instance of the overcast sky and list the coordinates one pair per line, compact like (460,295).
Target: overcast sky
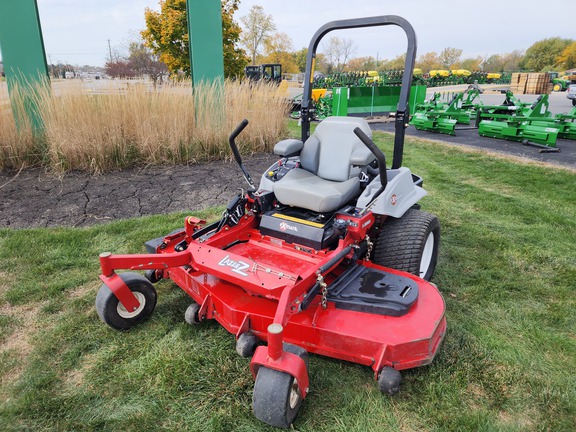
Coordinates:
(77,32)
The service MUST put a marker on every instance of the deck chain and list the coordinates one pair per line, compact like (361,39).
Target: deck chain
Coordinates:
(369,250)
(320,280)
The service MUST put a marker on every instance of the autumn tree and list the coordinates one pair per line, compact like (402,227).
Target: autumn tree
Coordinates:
(144,62)
(257,27)
(472,63)
(361,64)
(542,55)
(278,49)
(119,68)
(167,35)
(449,56)
(234,56)
(428,61)
(337,52)
(396,63)
(568,57)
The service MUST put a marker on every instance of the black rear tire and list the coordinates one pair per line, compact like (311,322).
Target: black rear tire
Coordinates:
(409,244)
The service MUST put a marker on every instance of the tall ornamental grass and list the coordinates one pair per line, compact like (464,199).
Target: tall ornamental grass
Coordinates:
(104,130)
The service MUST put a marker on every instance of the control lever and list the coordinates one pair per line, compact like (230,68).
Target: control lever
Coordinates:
(234,147)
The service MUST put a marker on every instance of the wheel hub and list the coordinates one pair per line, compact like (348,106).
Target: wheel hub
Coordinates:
(294,394)
(124,313)
(427,253)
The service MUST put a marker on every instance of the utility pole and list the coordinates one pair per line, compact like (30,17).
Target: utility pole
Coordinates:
(109,51)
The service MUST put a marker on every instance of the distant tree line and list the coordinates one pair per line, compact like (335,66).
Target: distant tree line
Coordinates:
(164,48)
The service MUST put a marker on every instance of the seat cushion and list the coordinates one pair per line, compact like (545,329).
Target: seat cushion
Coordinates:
(301,188)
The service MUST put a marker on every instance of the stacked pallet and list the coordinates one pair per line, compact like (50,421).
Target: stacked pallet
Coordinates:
(530,83)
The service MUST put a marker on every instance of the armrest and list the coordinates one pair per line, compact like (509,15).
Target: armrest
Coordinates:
(361,156)
(288,147)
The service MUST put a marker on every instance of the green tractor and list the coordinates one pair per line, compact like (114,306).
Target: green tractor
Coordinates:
(561,81)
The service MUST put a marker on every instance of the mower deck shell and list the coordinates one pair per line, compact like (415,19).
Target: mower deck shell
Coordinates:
(369,339)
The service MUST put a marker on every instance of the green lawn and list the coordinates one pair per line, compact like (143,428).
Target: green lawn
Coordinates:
(507,270)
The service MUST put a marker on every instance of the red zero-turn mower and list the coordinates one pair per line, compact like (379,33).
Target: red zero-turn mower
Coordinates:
(330,255)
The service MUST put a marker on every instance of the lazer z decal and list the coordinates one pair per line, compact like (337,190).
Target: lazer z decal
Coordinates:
(237,266)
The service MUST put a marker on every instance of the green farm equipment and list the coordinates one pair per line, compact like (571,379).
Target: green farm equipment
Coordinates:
(519,121)
(436,116)
(565,123)
(518,129)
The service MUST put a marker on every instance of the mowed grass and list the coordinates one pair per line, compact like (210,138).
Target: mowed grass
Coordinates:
(507,270)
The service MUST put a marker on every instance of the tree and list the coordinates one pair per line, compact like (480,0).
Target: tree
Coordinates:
(449,56)
(300,59)
(167,35)
(278,49)
(337,52)
(543,55)
(471,64)
(396,63)
(361,64)
(144,62)
(428,61)
(234,57)
(119,69)
(568,57)
(494,63)
(511,61)
(257,27)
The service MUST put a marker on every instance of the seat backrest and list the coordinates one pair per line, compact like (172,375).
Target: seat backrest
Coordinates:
(328,151)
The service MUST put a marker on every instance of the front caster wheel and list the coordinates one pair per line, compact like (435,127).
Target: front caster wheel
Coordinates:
(389,381)
(277,396)
(246,344)
(113,313)
(191,315)
(153,275)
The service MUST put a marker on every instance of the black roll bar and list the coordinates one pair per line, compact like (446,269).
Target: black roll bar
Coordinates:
(402,113)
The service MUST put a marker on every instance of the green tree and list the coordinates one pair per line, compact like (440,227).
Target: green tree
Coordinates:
(300,59)
(167,35)
(472,64)
(494,63)
(543,55)
(568,57)
(257,27)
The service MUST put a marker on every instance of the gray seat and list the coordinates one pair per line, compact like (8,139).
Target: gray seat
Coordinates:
(330,165)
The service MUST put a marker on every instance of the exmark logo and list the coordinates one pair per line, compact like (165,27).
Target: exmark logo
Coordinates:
(237,266)
(286,227)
